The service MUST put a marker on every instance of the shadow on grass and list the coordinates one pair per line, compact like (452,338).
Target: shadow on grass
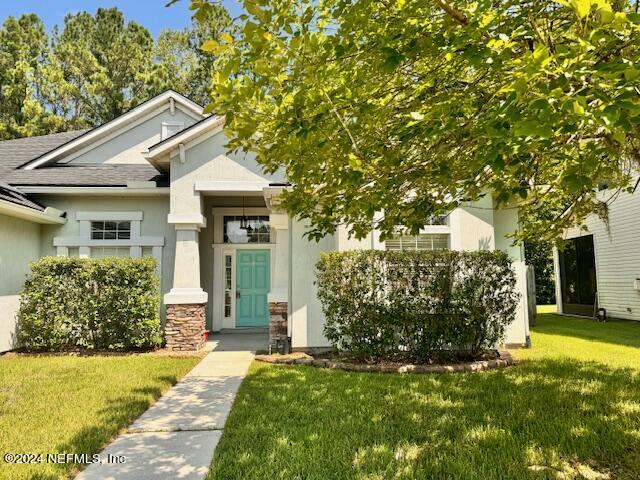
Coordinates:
(118,413)
(617,332)
(301,422)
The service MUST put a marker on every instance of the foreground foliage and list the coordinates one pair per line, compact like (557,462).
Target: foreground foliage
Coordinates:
(572,405)
(75,404)
(416,305)
(105,304)
(413,107)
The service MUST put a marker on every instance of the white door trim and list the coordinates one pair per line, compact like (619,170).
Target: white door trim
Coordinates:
(219,252)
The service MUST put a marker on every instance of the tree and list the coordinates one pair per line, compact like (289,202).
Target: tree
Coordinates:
(412,107)
(103,62)
(96,67)
(23,53)
(174,63)
(540,256)
(179,61)
(181,64)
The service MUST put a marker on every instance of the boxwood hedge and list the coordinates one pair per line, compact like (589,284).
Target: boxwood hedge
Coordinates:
(102,304)
(417,306)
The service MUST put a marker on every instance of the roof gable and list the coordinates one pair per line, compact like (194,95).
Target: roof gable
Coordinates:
(169,99)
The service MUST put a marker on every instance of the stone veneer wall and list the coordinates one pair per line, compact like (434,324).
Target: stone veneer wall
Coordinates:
(278,324)
(184,328)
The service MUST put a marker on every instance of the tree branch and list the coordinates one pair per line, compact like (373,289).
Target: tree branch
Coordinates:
(454,13)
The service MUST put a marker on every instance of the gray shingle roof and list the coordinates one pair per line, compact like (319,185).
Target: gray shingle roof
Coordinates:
(14,153)
(99,175)
(13,195)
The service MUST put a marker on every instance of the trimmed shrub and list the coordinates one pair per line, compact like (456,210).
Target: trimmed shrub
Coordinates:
(416,306)
(102,304)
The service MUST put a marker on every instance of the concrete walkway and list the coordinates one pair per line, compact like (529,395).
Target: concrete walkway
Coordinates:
(176,437)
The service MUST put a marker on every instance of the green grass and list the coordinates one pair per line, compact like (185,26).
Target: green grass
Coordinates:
(56,404)
(547,308)
(571,405)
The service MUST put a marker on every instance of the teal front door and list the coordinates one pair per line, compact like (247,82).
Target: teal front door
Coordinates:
(252,287)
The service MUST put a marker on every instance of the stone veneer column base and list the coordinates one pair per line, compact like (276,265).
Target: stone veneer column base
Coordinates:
(184,329)
(278,337)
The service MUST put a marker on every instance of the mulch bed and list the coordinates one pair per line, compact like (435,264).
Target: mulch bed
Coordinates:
(502,359)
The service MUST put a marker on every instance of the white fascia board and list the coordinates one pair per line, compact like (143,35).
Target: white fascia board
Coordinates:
(228,186)
(109,216)
(125,191)
(191,108)
(48,217)
(212,126)
(88,242)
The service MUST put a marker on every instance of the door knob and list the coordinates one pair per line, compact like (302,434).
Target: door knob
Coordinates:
(237,293)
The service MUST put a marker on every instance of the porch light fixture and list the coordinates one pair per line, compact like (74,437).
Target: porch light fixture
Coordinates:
(244,221)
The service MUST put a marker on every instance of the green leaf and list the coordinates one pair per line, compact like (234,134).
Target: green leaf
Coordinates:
(532,128)
(226,37)
(572,182)
(630,74)
(354,162)
(209,46)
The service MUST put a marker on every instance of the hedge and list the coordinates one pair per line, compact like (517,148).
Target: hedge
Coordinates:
(101,304)
(418,306)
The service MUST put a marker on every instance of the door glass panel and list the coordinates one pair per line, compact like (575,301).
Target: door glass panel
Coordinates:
(227,285)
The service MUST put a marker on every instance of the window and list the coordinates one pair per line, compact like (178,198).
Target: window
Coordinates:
(424,241)
(227,286)
(110,230)
(256,230)
(169,129)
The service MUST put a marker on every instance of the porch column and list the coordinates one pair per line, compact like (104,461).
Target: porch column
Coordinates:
(185,325)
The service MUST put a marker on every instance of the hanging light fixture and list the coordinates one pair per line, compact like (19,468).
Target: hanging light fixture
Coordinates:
(244,221)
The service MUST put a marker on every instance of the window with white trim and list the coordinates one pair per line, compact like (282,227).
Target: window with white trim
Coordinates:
(109,234)
(248,229)
(103,230)
(423,241)
(434,236)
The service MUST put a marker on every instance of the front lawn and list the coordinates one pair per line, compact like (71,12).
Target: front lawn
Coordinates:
(63,404)
(571,407)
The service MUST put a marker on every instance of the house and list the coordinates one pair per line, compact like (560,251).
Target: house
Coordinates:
(600,267)
(159,181)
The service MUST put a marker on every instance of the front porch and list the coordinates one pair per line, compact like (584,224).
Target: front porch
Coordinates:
(231,269)
(224,282)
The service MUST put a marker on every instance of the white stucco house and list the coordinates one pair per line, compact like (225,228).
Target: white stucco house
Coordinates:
(159,181)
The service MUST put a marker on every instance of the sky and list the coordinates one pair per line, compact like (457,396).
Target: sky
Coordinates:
(150,13)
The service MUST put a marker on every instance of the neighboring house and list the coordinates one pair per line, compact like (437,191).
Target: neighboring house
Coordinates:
(158,181)
(600,267)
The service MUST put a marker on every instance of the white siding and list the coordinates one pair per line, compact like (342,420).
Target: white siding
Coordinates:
(617,252)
